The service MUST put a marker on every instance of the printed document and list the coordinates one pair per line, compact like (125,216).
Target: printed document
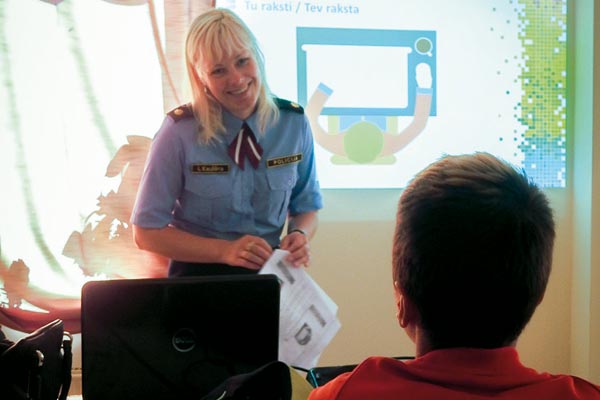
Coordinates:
(308,316)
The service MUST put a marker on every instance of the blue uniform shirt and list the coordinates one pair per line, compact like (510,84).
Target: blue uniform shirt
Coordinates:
(197,187)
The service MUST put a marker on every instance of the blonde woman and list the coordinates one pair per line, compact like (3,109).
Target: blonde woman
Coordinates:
(227,171)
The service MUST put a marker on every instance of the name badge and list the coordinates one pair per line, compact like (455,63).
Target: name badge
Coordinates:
(285,160)
(210,168)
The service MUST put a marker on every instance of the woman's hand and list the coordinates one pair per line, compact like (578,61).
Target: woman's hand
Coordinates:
(298,245)
(248,252)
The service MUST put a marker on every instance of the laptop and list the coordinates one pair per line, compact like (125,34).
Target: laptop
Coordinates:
(320,376)
(175,338)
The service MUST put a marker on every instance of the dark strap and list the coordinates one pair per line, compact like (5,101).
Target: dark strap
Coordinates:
(66,366)
(34,378)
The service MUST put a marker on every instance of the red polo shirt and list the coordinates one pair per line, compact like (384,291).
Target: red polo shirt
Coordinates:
(454,374)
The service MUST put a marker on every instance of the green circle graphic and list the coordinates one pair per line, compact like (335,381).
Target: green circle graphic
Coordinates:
(363,142)
(423,45)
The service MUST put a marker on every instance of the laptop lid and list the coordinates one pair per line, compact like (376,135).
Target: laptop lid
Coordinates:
(175,338)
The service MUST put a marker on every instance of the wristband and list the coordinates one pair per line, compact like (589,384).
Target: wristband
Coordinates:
(297,230)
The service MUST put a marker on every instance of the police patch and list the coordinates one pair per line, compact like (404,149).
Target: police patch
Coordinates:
(285,160)
(209,168)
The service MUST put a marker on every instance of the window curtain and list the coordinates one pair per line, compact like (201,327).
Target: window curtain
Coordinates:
(84,87)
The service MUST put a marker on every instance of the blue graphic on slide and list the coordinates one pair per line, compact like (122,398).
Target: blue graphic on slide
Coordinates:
(317,48)
(393,71)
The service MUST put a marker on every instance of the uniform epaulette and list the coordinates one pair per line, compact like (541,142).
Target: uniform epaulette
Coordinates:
(288,105)
(181,112)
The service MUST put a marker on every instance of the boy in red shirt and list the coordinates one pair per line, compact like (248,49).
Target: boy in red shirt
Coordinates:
(471,259)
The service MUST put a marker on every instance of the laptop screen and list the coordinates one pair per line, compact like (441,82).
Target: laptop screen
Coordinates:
(174,338)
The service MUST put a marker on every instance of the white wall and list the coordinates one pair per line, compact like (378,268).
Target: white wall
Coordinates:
(585,125)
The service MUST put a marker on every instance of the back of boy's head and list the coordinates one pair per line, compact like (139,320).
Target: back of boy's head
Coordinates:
(473,250)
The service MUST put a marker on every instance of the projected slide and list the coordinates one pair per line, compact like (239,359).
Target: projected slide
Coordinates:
(391,86)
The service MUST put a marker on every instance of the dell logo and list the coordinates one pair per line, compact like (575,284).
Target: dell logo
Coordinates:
(184,340)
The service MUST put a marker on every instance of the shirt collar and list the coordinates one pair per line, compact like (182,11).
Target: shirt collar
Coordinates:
(233,125)
(491,368)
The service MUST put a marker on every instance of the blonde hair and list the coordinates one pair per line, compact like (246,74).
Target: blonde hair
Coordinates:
(213,35)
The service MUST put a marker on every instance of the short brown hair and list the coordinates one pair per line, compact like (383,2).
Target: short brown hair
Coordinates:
(473,250)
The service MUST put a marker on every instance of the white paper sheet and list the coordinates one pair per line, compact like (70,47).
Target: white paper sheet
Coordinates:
(308,316)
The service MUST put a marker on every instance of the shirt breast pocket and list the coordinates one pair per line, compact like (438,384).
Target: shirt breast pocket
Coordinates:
(281,182)
(207,201)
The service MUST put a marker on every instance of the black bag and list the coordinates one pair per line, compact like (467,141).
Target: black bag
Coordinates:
(37,366)
(273,381)
(269,382)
